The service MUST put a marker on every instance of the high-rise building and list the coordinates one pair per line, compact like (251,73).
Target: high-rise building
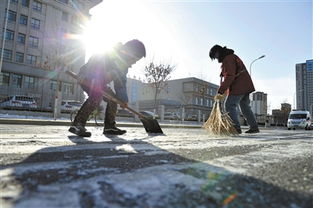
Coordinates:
(259,103)
(304,85)
(39,45)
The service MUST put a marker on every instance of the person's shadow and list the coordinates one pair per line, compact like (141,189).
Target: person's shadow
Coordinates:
(119,172)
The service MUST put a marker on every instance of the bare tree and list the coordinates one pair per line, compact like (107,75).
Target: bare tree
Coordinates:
(157,75)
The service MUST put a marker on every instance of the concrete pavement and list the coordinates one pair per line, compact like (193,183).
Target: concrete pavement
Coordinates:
(45,166)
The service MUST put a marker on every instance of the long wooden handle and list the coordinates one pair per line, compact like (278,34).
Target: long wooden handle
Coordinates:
(106,95)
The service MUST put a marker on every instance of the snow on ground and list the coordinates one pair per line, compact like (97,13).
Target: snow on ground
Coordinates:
(183,168)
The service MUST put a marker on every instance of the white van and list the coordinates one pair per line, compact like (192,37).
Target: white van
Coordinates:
(299,119)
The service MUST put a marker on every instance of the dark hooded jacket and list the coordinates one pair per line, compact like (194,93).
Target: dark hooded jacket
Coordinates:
(235,79)
(100,71)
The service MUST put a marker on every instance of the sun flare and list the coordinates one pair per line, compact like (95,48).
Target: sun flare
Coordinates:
(111,23)
(119,21)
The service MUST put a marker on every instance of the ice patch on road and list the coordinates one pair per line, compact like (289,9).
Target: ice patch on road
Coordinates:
(152,186)
(266,155)
(127,148)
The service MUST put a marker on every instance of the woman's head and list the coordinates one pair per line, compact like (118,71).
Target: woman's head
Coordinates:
(218,52)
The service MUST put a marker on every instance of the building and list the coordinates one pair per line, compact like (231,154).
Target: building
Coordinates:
(304,85)
(39,47)
(259,103)
(259,107)
(286,108)
(191,98)
(280,116)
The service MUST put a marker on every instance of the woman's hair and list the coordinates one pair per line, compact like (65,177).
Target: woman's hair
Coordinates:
(222,52)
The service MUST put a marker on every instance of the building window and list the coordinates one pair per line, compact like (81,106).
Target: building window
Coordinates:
(30,82)
(17,80)
(196,88)
(4,79)
(196,100)
(23,19)
(14,1)
(212,92)
(53,85)
(37,6)
(21,38)
(35,24)
(25,3)
(65,16)
(33,41)
(31,59)
(9,35)
(19,57)
(11,15)
(7,54)
(68,88)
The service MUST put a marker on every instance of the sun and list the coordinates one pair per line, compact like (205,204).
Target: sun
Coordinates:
(111,23)
(118,21)
(95,40)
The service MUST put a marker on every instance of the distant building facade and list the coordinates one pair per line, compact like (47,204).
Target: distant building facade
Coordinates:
(39,47)
(191,97)
(259,103)
(280,116)
(304,85)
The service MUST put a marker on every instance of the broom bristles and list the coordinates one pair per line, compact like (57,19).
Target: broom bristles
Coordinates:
(219,123)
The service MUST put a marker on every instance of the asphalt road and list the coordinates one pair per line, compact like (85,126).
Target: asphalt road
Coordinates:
(46,166)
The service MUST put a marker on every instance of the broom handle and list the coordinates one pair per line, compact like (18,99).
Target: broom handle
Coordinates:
(106,95)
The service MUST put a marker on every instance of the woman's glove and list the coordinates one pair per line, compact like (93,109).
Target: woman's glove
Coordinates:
(219,97)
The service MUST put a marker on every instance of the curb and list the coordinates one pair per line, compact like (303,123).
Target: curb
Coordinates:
(68,123)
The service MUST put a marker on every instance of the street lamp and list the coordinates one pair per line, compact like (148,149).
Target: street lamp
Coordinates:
(255,61)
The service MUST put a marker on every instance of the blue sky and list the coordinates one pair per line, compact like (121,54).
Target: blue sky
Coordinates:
(182,32)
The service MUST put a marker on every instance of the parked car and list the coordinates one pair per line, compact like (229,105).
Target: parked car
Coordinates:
(192,118)
(150,114)
(299,119)
(19,101)
(171,116)
(70,105)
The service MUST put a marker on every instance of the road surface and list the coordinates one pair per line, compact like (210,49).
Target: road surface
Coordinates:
(46,166)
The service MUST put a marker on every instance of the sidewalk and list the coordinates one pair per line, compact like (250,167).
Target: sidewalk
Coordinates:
(66,122)
(46,122)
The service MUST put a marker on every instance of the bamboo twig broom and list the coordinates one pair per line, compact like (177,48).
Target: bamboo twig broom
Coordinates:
(219,123)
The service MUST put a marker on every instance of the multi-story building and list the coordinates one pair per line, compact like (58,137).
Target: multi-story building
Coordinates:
(38,48)
(280,116)
(192,96)
(259,103)
(259,106)
(304,85)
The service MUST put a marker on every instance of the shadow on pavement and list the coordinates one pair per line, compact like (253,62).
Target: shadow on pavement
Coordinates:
(133,173)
